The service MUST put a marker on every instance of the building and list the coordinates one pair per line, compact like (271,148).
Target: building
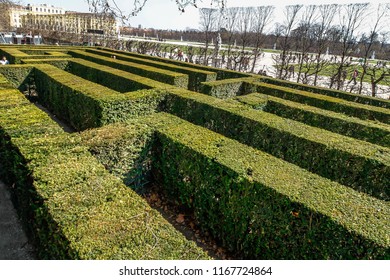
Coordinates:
(71,22)
(16,12)
(50,18)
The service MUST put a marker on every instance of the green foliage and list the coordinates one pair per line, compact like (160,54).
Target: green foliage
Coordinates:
(124,150)
(15,56)
(17,75)
(364,112)
(375,133)
(227,88)
(115,79)
(330,92)
(62,63)
(72,206)
(361,165)
(288,187)
(85,104)
(196,76)
(263,207)
(221,73)
(164,76)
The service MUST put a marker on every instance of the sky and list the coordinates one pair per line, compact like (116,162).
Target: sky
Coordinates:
(163,14)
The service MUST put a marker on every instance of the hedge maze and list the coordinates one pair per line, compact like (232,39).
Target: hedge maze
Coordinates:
(270,169)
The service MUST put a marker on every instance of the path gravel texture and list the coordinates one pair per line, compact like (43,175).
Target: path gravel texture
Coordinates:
(14,244)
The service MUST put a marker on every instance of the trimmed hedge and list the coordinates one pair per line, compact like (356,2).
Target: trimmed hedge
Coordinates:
(221,73)
(61,63)
(352,109)
(87,105)
(375,133)
(330,92)
(164,76)
(4,83)
(124,150)
(227,88)
(262,207)
(15,56)
(256,205)
(71,205)
(361,165)
(255,100)
(110,77)
(196,76)
(17,75)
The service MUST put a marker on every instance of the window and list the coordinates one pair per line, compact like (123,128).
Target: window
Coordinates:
(36,9)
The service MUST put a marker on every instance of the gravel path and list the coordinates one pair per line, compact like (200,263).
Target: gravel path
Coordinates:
(14,244)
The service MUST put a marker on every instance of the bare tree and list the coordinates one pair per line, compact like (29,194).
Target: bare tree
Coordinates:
(244,27)
(283,60)
(230,17)
(112,7)
(369,39)
(351,17)
(377,73)
(262,17)
(208,24)
(326,16)
(304,38)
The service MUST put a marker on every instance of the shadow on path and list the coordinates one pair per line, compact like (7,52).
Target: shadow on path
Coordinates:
(14,244)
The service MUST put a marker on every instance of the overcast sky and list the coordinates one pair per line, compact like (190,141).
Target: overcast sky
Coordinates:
(165,15)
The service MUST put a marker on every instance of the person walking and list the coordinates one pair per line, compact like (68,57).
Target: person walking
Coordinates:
(355,74)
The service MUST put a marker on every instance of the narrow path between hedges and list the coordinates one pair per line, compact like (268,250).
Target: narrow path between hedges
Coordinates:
(14,244)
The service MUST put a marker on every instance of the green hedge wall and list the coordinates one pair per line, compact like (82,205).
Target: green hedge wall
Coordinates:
(62,63)
(15,56)
(262,207)
(125,150)
(72,206)
(153,73)
(221,73)
(361,165)
(375,133)
(334,93)
(112,78)
(4,83)
(17,75)
(227,88)
(353,109)
(196,76)
(85,104)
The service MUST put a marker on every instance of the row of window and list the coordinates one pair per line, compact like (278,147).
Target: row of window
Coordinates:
(48,10)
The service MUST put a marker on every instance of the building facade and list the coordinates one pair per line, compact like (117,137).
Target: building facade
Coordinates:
(71,22)
(16,12)
(50,18)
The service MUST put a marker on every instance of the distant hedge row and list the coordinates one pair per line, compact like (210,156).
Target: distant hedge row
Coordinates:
(353,109)
(161,75)
(196,76)
(375,133)
(15,56)
(72,206)
(330,92)
(221,73)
